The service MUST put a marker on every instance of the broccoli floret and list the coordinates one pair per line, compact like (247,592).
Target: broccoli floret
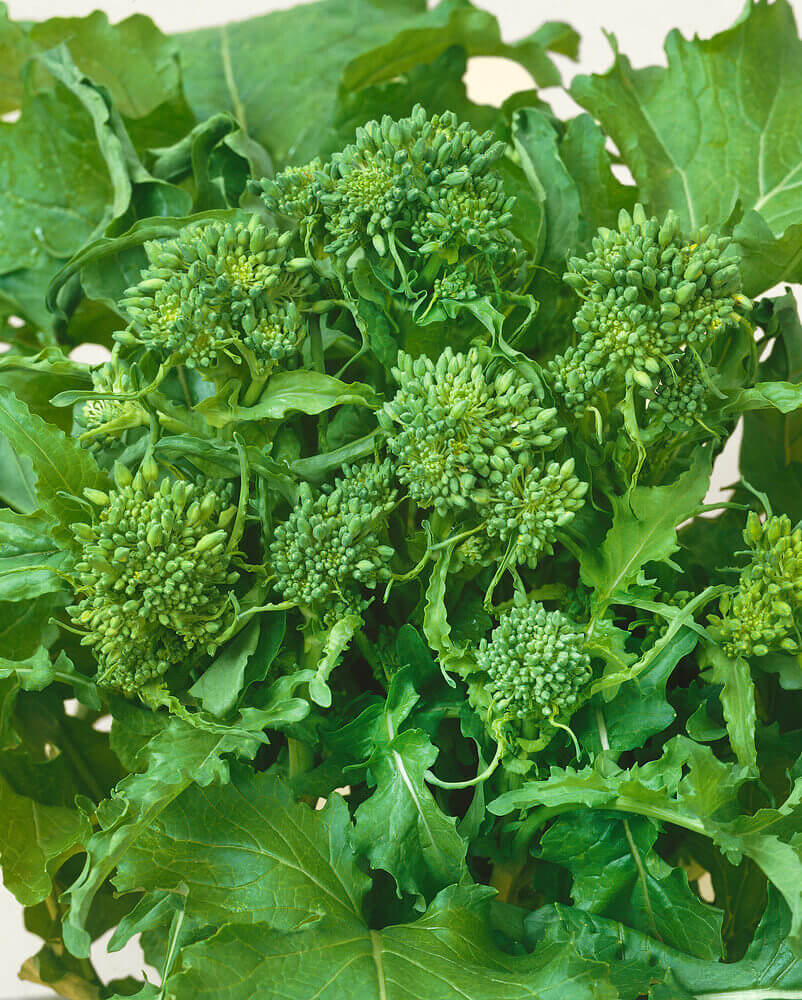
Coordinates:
(155,575)
(218,291)
(110,417)
(764,614)
(536,665)
(418,194)
(472,445)
(331,547)
(530,505)
(648,295)
(681,394)
(454,429)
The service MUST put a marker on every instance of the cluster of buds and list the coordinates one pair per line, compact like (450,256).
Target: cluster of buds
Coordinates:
(536,665)
(155,575)
(764,613)
(418,188)
(222,291)
(332,548)
(647,294)
(472,445)
(110,417)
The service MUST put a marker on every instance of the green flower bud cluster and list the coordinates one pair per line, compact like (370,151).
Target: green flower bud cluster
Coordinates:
(457,285)
(765,613)
(109,417)
(681,394)
(647,293)
(332,548)
(293,192)
(155,575)
(530,505)
(218,290)
(536,664)
(467,443)
(414,186)
(455,430)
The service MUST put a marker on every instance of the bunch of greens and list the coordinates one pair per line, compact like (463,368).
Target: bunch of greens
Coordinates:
(366,625)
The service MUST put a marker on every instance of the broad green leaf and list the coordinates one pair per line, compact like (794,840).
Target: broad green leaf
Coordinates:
(783,396)
(28,557)
(39,671)
(63,469)
(174,759)
(15,49)
(289,893)
(643,530)
(17,479)
(242,661)
(617,874)
(690,788)
(26,625)
(717,130)
(737,701)
(769,970)
(301,391)
(59,971)
(584,152)
(66,164)
(279,75)
(535,141)
(35,841)
(262,876)
(400,827)
(132,59)
(640,710)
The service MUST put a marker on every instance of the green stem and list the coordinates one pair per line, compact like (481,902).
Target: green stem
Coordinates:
(254,390)
(302,757)
(453,785)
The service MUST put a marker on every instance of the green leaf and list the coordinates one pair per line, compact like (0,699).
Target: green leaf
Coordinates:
(61,465)
(640,710)
(66,164)
(715,130)
(689,788)
(617,874)
(299,391)
(39,671)
(535,141)
(136,63)
(28,557)
(769,970)
(400,827)
(174,759)
(36,840)
(279,75)
(289,894)
(245,659)
(737,701)
(783,396)
(643,530)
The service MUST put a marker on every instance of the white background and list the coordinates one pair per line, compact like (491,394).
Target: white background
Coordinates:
(640,27)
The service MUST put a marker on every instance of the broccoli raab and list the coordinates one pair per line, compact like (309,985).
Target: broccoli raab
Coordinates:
(764,612)
(155,575)
(394,489)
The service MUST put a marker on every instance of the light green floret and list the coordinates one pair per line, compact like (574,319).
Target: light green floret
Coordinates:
(222,291)
(110,417)
(765,613)
(455,430)
(536,666)
(332,547)
(648,294)
(155,576)
(529,507)
(681,395)
(418,194)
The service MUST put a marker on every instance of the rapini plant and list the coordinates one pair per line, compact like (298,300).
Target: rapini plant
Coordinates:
(397,491)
